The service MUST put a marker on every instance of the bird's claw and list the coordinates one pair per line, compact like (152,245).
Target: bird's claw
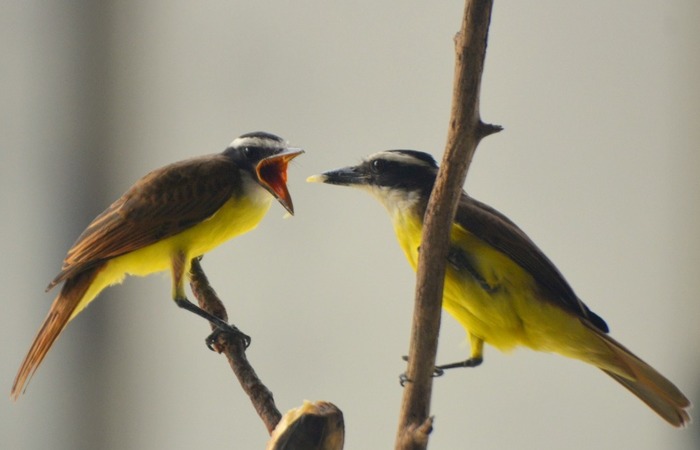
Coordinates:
(230,332)
(439,371)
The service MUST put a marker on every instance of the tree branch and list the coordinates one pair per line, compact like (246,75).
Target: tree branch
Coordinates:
(234,349)
(465,132)
(313,426)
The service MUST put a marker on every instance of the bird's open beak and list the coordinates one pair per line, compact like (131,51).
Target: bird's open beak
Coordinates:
(272,173)
(347,176)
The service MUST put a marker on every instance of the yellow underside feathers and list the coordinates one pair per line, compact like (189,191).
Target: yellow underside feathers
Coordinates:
(236,217)
(510,314)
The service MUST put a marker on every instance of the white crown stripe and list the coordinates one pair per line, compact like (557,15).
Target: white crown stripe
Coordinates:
(399,157)
(241,142)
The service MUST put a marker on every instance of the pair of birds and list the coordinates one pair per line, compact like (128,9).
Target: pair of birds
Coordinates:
(499,285)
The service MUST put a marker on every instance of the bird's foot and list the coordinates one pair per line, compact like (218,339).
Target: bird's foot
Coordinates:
(403,378)
(228,332)
(439,371)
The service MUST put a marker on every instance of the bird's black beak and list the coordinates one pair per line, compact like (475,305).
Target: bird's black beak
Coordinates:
(347,176)
(272,173)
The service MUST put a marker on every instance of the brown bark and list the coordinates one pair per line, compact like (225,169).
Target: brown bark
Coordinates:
(234,349)
(465,131)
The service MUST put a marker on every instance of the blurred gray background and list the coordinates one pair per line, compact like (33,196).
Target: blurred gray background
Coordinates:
(598,163)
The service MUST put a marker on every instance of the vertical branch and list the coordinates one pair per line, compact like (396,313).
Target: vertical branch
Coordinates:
(465,132)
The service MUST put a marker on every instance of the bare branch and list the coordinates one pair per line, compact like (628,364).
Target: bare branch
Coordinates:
(234,349)
(465,131)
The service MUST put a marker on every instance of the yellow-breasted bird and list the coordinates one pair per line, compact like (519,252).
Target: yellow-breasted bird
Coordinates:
(499,285)
(167,218)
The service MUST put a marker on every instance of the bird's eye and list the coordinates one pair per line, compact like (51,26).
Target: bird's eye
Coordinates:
(378,165)
(247,151)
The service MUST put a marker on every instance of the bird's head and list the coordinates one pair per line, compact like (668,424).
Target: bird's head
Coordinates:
(265,157)
(392,176)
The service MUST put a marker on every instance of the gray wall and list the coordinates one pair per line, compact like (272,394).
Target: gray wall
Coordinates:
(598,163)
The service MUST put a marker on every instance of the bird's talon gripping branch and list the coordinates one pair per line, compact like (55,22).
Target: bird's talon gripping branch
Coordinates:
(438,371)
(403,378)
(231,332)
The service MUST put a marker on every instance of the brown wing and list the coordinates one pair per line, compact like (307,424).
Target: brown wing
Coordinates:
(500,232)
(165,202)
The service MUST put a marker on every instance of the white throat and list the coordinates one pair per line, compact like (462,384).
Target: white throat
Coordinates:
(398,202)
(254,191)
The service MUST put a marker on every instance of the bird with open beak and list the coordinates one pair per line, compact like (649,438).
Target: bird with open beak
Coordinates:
(167,218)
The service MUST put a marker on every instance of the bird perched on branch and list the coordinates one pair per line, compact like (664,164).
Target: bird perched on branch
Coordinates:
(170,216)
(499,285)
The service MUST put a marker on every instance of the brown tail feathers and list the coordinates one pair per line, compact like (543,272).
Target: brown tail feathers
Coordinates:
(61,310)
(649,385)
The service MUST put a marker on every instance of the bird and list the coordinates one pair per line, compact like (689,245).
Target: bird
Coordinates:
(170,216)
(498,284)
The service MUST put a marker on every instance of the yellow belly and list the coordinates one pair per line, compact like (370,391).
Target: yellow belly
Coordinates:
(508,315)
(236,217)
